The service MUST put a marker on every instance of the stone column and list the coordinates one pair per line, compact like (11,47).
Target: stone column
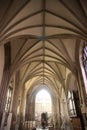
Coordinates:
(30,107)
(54,104)
(58,112)
(16,96)
(23,105)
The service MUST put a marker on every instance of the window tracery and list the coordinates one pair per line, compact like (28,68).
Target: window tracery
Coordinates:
(84,57)
(8,101)
(71,104)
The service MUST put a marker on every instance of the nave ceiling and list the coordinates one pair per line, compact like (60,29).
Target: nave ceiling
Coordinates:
(45,36)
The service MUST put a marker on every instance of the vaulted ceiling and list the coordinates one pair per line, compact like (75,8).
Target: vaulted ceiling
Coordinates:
(44,37)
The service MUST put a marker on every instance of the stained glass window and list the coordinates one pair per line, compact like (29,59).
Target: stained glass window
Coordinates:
(84,57)
(71,104)
(8,101)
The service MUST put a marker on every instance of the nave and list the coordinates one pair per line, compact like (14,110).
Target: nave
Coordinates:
(43,45)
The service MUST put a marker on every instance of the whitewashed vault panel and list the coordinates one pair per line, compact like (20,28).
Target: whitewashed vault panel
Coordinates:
(44,35)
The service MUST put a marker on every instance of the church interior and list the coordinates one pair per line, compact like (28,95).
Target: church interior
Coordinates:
(43,64)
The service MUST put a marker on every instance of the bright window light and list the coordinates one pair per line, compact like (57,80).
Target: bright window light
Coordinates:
(43,103)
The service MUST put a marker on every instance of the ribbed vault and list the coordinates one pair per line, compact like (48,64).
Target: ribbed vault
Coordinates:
(44,37)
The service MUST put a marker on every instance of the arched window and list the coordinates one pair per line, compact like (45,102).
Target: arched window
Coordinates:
(43,104)
(84,57)
(71,104)
(9,99)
